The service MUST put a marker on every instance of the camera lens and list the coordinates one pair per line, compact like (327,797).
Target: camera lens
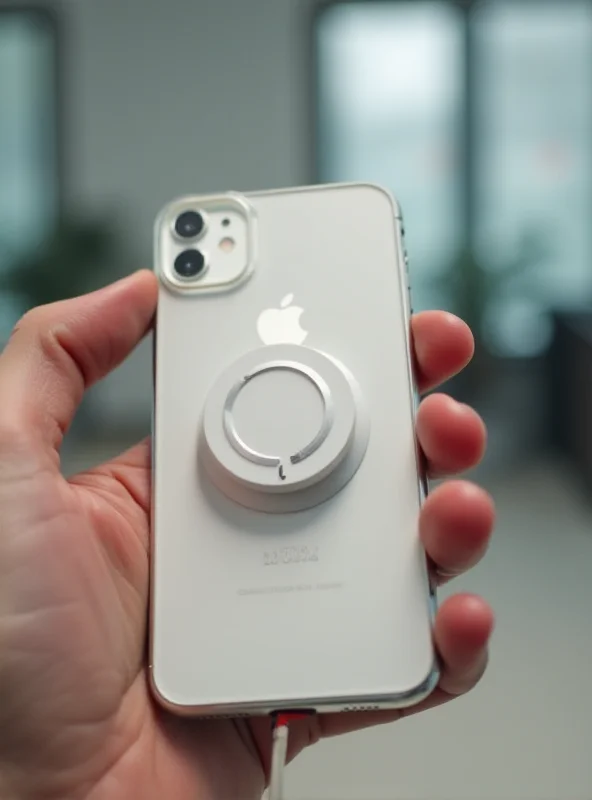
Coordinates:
(189,263)
(189,224)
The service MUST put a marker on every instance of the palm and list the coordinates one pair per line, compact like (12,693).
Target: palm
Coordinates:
(87,630)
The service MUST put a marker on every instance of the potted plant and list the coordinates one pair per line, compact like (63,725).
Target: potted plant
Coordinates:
(470,289)
(78,256)
(499,388)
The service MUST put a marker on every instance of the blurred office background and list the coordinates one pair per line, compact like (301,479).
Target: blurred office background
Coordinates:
(478,116)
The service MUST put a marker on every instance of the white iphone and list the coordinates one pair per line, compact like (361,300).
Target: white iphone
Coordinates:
(287,569)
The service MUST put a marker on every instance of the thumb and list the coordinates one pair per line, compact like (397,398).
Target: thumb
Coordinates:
(59,350)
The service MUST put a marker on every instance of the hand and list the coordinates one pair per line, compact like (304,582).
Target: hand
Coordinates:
(76,717)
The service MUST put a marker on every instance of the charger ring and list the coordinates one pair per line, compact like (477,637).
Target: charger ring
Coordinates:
(263,459)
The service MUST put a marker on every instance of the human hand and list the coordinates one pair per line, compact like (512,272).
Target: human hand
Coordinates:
(76,717)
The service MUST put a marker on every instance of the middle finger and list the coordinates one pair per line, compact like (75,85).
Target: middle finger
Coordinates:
(452,435)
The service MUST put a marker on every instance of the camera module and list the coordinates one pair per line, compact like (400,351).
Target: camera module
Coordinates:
(189,224)
(190,263)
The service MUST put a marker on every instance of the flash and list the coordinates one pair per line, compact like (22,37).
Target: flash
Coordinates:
(227,245)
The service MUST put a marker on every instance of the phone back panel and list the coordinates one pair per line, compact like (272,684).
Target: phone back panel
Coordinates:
(231,631)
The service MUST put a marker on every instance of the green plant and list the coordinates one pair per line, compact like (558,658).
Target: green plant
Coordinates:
(77,256)
(471,288)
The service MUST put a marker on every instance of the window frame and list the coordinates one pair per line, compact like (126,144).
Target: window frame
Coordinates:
(470,82)
(49,19)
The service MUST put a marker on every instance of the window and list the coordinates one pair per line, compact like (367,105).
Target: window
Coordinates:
(533,140)
(28,137)
(478,116)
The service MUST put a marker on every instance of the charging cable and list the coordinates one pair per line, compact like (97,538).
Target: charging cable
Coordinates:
(279,752)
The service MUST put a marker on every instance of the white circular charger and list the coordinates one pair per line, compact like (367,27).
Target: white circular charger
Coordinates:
(284,429)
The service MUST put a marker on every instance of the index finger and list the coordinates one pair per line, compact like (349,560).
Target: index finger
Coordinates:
(443,345)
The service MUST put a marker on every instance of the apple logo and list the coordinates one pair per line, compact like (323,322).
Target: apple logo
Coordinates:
(282,325)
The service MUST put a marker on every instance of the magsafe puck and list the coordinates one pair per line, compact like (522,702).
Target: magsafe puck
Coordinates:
(284,428)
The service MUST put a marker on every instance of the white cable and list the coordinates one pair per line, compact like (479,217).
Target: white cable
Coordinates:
(278,762)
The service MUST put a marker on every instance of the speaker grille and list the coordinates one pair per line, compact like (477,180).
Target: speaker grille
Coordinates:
(225,716)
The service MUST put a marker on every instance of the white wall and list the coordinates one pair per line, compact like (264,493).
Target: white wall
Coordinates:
(188,95)
(180,96)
